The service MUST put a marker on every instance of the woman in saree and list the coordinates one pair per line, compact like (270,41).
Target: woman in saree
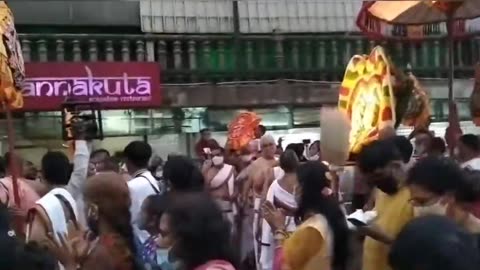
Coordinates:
(321,239)
(109,245)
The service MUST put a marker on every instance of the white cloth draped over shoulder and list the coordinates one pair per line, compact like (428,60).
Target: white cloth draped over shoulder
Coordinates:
(472,164)
(275,192)
(278,174)
(67,197)
(225,176)
(52,204)
(54,210)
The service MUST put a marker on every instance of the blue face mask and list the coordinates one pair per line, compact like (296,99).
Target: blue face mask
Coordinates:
(163,259)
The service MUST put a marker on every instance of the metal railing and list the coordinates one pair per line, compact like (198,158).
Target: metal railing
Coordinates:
(220,58)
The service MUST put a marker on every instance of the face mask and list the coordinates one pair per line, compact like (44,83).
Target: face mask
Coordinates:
(159,173)
(434,209)
(217,161)
(163,258)
(92,222)
(388,185)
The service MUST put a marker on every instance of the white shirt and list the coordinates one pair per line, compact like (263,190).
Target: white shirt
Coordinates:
(473,164)
(142,185)
(78,178)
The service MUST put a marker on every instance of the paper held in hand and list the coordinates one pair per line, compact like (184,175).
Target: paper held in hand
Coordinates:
(360,218)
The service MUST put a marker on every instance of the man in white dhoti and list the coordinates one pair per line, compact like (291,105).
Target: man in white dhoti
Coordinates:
(281,194)
(220,181)
(263,172)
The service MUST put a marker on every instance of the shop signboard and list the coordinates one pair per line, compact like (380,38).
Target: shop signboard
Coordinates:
(113,85)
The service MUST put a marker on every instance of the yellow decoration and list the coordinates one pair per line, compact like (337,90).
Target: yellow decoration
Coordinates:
(366,96)
(12,70)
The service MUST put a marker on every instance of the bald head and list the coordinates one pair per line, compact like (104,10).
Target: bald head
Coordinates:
(266,139)
(268,146)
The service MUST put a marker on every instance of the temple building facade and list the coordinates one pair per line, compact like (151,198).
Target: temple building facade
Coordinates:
(282,59)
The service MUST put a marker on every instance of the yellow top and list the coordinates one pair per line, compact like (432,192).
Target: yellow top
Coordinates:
(310,246)
(394,212)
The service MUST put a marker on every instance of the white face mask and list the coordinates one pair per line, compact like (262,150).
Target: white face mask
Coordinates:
(217,161)
(159,173)
(434,209)
(163,256)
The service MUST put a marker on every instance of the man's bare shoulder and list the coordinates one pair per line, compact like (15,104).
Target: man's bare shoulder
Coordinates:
(40,188)
(259,162)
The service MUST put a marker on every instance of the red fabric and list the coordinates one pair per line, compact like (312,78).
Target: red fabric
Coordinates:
(278,259)
(373,27)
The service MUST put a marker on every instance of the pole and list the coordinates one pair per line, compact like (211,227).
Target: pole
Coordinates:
(451,64)
(11,148)
(18,221)
(236,35)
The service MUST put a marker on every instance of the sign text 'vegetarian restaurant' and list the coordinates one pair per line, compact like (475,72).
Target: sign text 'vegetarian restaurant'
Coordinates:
(113,85)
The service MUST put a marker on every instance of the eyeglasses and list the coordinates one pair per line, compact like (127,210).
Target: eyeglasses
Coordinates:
(423,201)
(267,145)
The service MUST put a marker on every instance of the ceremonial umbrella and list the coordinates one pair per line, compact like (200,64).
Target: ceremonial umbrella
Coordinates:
(382,18)
(242,130)
(12,74)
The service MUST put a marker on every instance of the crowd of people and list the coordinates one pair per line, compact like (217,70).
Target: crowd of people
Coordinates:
(263,207)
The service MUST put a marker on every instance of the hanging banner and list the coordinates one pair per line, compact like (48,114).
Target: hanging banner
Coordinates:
(114,85)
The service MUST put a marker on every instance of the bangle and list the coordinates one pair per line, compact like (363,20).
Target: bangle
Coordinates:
(280,235)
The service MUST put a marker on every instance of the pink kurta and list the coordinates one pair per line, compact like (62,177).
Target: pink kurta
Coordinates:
(28,196)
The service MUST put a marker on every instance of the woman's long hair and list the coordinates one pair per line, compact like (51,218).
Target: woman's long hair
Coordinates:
(312,180)
(200,231)
(119,218)
(110,193)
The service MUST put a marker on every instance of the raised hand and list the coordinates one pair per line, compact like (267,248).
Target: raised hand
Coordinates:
(274,217)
